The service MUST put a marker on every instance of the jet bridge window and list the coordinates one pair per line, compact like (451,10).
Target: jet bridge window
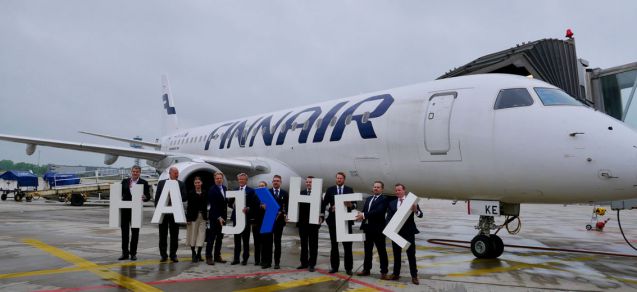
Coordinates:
(554,96)
(513,97)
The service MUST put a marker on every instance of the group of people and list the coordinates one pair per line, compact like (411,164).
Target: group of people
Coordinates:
(206,214)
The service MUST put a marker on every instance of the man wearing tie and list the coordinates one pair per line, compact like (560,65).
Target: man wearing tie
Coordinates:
(308,232)
(125,214)
(328,205)
(373,217)
(281,197)
(244,237)
(169,220)
(408,232)
(217,214)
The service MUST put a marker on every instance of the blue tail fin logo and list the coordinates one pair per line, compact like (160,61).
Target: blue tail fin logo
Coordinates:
(170,110)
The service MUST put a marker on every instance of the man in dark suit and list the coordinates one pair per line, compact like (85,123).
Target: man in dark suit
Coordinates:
(125,214)
(328,205)
(249,210)
(281,197)
(217,214)
(408,232)
(373,217)
(169,220)
(308,232)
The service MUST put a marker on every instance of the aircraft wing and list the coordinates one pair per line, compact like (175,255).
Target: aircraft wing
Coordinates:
(153,155)
(112,150)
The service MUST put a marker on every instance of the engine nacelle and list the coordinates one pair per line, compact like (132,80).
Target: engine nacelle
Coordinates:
(275,167)
(188,170)
(31,149)
(110,159)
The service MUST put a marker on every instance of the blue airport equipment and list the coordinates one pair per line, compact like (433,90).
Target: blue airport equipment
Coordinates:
(24,178)
(271,209)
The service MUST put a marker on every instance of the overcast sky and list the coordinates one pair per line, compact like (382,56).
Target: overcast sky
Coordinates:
(96,66)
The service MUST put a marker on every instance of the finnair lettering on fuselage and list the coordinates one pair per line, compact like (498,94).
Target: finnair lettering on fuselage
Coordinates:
(288,122)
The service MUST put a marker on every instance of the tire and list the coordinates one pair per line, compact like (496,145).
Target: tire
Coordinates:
(589,227)
(29,197)
(498,246)
(4,197)
(482,246)
(77,200)
(61,199)
(17,197)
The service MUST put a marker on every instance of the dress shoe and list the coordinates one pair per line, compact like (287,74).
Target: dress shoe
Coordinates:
(393,278)
(301,267)
(383,276)
(415,281)
(276,267)
(234,263)
(243,263)
(174,259)
(164,259)
(195,258)
(332,271)
(123,257)
(209,261)
(220,260)
(133,258)
(363,273)
(349,272)
(200,258)
(311,269)
(266,266)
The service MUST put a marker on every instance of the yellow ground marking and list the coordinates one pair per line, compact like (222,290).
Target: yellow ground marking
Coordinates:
(290,284)
(363,289)
(630,281)
(104,273)
(518,266)
(77,269)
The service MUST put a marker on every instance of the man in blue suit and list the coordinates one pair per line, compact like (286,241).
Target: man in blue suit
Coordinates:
(408,232)
(252,205)
(373,217)
(217,216)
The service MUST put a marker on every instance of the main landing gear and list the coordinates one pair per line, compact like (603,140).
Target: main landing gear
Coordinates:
(486,245)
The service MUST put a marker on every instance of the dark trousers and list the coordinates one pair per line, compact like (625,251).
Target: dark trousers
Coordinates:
(411,256)
(277,233)
(267,239)
(164,226)
(243,237)
(377,239)
(256,236)
(309,242)
(266,248)
(125,225)
(335,256)
(214,237)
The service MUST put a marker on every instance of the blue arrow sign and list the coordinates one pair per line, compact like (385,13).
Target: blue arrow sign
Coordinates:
(271,209)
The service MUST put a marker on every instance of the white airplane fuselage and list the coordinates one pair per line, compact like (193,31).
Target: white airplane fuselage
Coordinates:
(442,139)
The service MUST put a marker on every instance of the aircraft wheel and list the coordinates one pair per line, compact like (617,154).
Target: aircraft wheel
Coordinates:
(4,197)
(77,200)
(589,227)
(498,246)
(482,246)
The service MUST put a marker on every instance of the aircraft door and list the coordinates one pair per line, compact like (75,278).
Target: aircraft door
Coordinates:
(437,122)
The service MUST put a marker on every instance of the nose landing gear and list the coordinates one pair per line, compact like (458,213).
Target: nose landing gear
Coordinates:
(486,245)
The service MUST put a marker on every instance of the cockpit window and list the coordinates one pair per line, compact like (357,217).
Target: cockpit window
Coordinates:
(553,96)
(513,97)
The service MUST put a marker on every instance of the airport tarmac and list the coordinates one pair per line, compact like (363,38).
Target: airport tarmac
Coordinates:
(49,246)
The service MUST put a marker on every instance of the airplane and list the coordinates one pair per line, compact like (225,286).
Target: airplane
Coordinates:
(493,140)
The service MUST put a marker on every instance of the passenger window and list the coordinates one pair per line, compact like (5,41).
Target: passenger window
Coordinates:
(554,96)
(513,97)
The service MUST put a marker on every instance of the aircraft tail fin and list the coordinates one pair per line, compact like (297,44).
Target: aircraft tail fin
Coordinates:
(170,114)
